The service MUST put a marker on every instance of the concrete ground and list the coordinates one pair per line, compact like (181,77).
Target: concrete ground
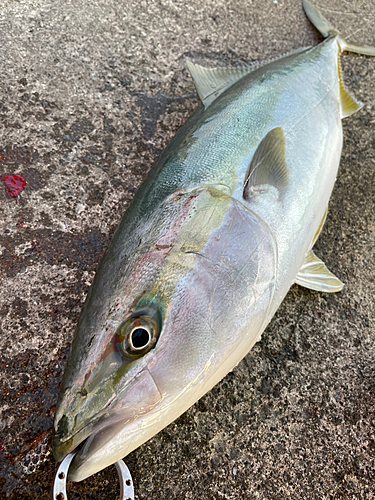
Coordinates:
(90,94)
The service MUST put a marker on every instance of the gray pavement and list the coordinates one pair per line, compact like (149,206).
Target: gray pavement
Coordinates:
(90,94)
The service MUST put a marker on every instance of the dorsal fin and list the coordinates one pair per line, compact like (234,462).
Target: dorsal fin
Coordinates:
(268,165)
(211,82)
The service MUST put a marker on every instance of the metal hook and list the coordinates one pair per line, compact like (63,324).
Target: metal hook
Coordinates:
(59,485)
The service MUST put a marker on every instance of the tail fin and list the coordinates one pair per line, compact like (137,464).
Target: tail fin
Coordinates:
(326,29)
(349,104)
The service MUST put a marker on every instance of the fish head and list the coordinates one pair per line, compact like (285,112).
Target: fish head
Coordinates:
(176,303)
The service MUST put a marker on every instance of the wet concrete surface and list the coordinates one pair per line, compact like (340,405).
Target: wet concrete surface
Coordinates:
(90,94)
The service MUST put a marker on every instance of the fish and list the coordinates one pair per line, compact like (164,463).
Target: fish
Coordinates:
(222,227)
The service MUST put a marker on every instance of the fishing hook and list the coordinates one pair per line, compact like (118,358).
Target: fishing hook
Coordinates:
(59,486)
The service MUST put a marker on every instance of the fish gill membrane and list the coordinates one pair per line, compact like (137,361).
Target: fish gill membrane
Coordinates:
(216,235)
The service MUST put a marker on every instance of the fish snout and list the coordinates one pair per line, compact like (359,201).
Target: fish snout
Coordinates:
(107,435)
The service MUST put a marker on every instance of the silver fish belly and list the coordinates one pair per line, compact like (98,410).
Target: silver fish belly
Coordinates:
(219,231)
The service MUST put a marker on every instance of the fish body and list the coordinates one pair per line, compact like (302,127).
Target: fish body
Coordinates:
(218,232)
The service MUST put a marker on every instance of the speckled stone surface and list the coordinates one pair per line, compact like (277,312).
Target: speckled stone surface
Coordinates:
(90,94)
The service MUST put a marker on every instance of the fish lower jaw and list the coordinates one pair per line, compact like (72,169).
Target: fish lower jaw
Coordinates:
(79,444)
(63,446)
(61,449)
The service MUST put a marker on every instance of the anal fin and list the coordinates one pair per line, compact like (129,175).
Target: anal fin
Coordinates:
(315,275)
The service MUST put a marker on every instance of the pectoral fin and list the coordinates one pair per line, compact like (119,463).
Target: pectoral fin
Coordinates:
(268,165)
(315,275)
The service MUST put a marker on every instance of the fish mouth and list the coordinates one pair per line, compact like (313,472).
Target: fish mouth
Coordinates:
(92,436)
(89,446)
(98,441)
(70,436)
(62,446)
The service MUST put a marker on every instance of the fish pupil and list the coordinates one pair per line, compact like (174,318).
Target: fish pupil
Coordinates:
(140,338)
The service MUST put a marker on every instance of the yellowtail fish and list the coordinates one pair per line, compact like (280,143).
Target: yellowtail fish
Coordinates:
(219,231)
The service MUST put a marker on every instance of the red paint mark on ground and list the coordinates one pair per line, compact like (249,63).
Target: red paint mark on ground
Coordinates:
(14,185)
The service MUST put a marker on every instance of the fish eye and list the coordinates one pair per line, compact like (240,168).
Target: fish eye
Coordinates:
(138,335)
(139,338)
